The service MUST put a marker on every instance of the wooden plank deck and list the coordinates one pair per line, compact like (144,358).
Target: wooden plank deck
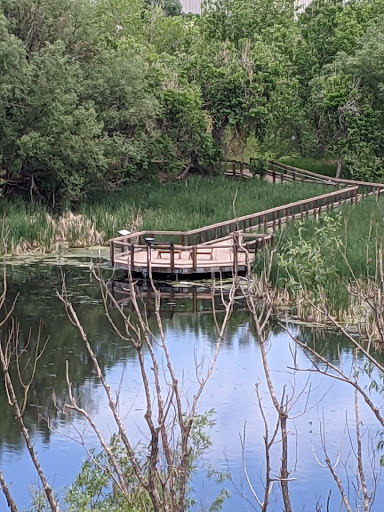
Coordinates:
(224,255)
(227,247)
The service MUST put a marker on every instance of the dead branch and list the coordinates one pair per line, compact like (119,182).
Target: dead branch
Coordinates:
(261,317)
(23,429)
(168,420)
(11,504)
(337,374)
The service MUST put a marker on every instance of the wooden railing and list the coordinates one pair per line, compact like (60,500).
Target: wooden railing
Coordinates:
(236,168)
(236,243)
(260,221)
(282,172)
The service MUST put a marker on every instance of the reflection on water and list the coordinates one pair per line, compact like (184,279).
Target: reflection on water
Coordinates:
(190,332)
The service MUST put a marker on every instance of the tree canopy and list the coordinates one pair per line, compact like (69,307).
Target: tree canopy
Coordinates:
(95,95)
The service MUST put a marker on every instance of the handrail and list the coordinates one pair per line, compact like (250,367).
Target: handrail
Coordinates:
(271,211)
(265,215)
(169,247)
(326,178)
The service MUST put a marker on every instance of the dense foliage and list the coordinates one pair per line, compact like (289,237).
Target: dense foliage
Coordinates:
(95,95)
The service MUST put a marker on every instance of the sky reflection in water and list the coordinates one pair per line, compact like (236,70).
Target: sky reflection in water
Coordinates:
(230,392)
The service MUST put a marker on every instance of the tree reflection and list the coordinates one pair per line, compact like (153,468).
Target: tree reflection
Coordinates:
(186,313)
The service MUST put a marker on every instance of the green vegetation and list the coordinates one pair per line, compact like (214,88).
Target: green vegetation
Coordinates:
(329,254)
(322,165)
(99,95)
(191,204)
(180,205)
(104,103)
(101,99)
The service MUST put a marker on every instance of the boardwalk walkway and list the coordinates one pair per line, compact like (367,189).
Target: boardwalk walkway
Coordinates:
(227,247)
(231,246)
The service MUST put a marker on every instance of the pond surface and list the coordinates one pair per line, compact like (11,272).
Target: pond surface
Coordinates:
(322,406)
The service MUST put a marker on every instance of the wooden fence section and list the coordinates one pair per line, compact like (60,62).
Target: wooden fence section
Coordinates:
(282,172)
(231,254)
(225,246)
(236,169)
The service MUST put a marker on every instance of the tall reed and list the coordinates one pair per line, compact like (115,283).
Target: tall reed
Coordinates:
(189,204)
(360,232)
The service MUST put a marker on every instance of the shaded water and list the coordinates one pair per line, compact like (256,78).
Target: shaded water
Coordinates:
(190,332)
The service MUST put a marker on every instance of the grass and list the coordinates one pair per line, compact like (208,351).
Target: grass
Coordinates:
(182,205)
(24,227)
(325,165)
(189,204)
(360,232)
(29,228)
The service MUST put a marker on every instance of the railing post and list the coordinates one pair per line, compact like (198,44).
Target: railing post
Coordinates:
(172,257)
(132,255)
(233,167)
(235,246)
(149,257)
(112,253)
(241,169)
(194,258)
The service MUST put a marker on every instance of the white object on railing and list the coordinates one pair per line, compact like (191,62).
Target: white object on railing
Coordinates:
(124,232)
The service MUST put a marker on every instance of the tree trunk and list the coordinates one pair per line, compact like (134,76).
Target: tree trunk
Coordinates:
(339,166)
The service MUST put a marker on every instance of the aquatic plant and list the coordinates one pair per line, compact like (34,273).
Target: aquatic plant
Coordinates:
(189,204)
(179,205)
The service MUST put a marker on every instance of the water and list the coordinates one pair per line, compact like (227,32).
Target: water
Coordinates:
(322,408)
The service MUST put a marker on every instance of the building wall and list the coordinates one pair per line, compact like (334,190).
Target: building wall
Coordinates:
(193,6)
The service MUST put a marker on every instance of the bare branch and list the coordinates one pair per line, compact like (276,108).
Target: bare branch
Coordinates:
(10,502)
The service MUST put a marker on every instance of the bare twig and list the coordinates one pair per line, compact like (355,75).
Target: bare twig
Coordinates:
(11,504)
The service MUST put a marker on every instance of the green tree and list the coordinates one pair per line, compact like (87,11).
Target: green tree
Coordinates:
(184,141)
(49,139)
(348,98)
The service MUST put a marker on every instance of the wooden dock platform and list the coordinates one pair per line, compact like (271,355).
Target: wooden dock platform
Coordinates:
(226,247)
(228,254)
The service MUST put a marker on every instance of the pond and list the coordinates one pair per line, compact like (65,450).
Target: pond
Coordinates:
(322,414)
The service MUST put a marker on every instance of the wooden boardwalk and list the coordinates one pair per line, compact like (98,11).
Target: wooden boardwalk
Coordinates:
(236,169)
(226,247)
(228,254)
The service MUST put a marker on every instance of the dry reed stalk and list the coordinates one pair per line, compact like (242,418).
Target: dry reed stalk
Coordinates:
(77,230)
(357,316)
